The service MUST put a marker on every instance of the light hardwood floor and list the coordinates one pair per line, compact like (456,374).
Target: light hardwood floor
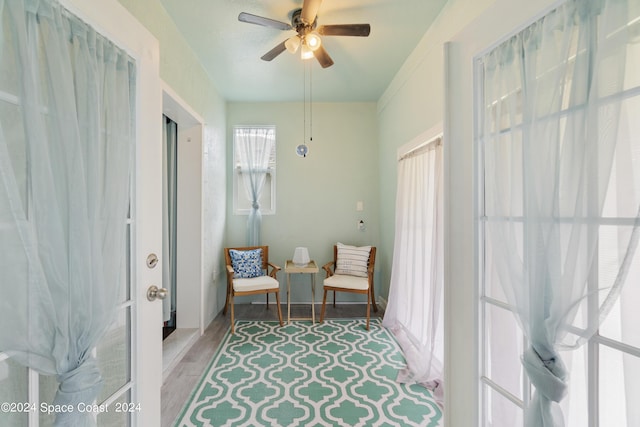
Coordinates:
(184,377)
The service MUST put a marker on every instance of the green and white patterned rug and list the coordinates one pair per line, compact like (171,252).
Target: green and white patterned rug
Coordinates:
(330,374)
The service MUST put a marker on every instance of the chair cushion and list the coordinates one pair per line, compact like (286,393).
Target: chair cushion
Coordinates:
(352,260)
(255,284)
(247,263)
(347,282)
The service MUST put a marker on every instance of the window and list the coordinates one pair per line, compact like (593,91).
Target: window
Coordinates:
(245,150)
(603,371)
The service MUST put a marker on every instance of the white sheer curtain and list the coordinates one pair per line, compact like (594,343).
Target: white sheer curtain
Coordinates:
(254,147)
(66,137)
(414,313)
(557,152)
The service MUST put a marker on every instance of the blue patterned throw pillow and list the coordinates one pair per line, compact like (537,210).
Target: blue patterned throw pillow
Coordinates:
(246,264)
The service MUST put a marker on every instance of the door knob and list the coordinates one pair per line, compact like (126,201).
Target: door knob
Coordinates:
(155,292)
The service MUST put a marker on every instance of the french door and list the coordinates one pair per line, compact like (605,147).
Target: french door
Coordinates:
(130,354)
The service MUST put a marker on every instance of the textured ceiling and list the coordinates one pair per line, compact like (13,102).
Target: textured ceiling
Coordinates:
(230,50)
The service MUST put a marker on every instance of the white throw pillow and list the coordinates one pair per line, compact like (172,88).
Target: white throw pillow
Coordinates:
(352,260)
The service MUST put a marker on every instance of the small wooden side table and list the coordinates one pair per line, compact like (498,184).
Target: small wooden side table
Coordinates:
(312,269)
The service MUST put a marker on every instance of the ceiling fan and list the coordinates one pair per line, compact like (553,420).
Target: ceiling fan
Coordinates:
(308,39)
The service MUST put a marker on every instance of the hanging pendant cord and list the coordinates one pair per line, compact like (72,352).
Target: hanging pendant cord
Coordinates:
(310,103)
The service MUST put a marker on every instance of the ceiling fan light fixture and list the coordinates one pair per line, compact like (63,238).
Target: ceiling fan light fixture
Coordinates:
(292,44)
(306,52)
(313,40)
(304,22)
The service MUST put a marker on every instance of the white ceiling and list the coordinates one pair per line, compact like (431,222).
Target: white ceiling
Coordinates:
(230,50)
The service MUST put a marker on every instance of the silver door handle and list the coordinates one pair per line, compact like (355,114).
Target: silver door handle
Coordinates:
(154,292)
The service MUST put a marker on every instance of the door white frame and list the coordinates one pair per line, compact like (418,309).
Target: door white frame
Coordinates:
(191,296)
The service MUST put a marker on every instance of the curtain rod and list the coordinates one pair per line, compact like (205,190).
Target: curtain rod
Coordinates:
(426,146)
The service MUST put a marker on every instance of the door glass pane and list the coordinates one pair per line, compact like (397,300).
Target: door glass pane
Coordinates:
(575,404)
(9,64)
(113,355)
(500,201)
(632,63)
(619,391)
(504,347)
(12,128)
(494,252)
(492,285)
(119,412)
(500,411)
(621,323)
(47,387)
(13,391)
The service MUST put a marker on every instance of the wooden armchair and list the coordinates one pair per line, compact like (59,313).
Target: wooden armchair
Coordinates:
(343,275)
(253,274)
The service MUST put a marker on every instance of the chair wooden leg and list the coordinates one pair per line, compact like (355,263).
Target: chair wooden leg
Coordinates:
(334,299)
(226,303)
(267,301)
(368,311)
(373,299)
(232,315)
(324,303)
(279,311)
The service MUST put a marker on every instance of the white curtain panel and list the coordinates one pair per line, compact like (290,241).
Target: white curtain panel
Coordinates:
(66,139)
(414,312)
(558,162)
(255,146)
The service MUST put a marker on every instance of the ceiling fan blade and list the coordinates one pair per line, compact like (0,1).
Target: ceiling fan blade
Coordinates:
(274,52)
(310,11)
(323,57)
(265,22)
(357,30)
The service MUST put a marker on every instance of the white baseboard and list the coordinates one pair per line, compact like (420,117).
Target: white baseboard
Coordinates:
(381,302)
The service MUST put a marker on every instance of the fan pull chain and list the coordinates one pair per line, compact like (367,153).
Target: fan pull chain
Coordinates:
(302,149)
(304,103)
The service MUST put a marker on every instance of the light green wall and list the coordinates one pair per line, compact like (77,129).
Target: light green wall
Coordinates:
(315,196)
(183,73)
(179,66)
(414,103)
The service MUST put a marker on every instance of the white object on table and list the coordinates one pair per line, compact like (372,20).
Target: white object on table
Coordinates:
(301,257)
